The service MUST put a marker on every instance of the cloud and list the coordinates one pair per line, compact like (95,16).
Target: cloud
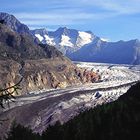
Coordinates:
(119,6)
(56,15)
(71,12)
(71,9)
(61,17)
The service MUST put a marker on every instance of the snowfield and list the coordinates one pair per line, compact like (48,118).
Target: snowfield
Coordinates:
(63,104)
(84,38)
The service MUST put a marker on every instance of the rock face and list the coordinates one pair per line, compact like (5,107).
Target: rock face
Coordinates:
(41,66)
(39,74)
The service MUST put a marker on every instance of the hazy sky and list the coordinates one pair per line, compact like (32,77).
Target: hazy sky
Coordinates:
(111,19)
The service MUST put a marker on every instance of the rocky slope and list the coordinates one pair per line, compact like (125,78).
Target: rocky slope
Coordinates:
(41,66)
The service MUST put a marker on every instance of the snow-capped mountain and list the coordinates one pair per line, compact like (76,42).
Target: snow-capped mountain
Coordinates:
(66,40)
(85,46)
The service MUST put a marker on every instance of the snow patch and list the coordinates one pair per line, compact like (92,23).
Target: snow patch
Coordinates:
(49,40)
(84,38)
(39,37)
(65,41)
(105,39)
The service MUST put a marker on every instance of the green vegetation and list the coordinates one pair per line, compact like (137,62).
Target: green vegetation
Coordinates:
(114,121)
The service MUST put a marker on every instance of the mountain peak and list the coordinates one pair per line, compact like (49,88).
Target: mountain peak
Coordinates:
(41,31)
(13,23)
(62,30)
(3,14)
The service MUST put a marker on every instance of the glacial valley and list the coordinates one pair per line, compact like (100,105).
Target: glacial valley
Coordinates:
(39,109)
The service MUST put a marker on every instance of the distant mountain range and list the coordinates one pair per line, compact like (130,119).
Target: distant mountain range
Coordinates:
(81,45)
(85,46)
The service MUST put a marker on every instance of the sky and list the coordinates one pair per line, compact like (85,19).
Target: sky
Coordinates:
(113,20)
